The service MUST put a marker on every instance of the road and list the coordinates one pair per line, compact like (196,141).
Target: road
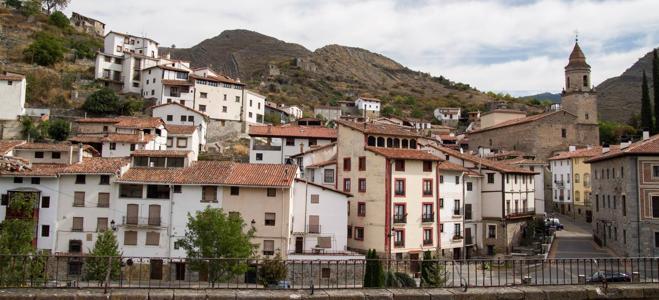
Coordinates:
(576,241)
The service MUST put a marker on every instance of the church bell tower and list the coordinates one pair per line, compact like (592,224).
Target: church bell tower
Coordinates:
(578,97)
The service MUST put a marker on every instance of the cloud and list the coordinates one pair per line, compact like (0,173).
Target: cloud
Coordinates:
(511,45)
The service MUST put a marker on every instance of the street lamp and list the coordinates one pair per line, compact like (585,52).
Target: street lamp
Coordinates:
(113,225)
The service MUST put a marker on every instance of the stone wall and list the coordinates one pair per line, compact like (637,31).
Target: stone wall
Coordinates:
(221,130)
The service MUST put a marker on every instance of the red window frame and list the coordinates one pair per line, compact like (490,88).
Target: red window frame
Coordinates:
(356,236)
(402,232)
(361,212)
(399,165)
(423,187)
(427,166)
(362,185)
(346,185)
(362,163)
(427,242)
(432,208)
(400,204)
(396,194)
(346,164)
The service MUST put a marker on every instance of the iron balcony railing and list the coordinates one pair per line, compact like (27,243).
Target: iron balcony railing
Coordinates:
(63,270)
(313,229)
(400,219)
(426,218)
(523,212)
(139,221)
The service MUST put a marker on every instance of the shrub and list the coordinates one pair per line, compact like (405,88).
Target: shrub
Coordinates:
(59,130)
(85,47)
(59,19)
(374,275)
(46,50)
(30,7)
(103,101)
(103,257)
(272,270)
(131,106)
(14,3)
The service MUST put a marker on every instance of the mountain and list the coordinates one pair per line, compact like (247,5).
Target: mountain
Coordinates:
(619,98)
(554,98)
(291,74)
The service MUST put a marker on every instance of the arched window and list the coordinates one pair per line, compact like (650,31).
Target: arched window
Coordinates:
(390,143)
(380,142)
(396,143)
(585,80)
(412,144)
(405,143)
(371,140)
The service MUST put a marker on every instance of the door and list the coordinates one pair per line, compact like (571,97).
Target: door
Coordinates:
(180,270)
(468,240)
(589,216)
(456,253)
(314,224)
(131,214)
(299,244)
(414,262)
(469,252)
(154,215)
(156,269)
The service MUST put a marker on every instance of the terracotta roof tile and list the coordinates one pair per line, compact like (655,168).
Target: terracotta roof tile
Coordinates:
(96,165)
(113,138)
(262,175)
(449,166)
(180,129)
(37,170)
(219,78)
(44,146)
(520,121)
(504,110)
(11,77)
(640,148)
(584,152)
(126,122)
(8,145)
(379,128)
(293,131)
(183,106)
(314,149)
(411,154)
(495,165)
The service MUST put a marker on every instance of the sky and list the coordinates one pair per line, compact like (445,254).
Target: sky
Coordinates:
(511,46)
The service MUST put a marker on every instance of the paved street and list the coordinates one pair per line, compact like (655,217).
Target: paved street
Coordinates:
(576,241)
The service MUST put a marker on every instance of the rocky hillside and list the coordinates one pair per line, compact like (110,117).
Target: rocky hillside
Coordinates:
(289,73)
(619,98)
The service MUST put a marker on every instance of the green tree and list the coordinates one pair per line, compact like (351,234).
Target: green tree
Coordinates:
(398,280)
(272,118)
(85,46)
(613,133)
(432,273)
(104,258)
(374,274)
(655,87)
(103,101)
(59,130)
(51,5)
(272,270)
(130,107)
(46,50)
(646,106)
(211,237)
(30,7)
(14,3)
(59,19)
(29,129)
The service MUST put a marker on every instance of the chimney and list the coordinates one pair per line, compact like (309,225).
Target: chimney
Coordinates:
(141,133)
(646,135)
(80,153)
(70,154)
(168,56)
(625,144)
(572,148)
(605,148)
(269,128)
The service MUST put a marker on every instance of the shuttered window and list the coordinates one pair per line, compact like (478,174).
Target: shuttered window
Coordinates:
(103,199)
(209,194)
(130,238)
(154,215)
(77,224)
(314,224)
(152,238)
(101,224)
(324,242)
(315,198)
(268,247)
(79,199)
(131,214)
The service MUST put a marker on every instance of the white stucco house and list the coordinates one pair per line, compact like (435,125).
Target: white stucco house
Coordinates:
(254,107)
(178,114)
(277,144)
(12,95)
(370,107)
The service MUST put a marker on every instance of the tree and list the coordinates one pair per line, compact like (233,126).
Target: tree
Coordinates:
(272,270)
(646,109)
(59,130)
(431,271)
(14,3)
(46,50)
(30,7)
(131,106)
(373,275)
(59,19)
(29,129)
(655,87)
(103,101)
(50,5)
(104,258)
(211,238)
(613,133)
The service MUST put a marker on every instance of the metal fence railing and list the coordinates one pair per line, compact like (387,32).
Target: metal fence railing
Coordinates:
(59,271)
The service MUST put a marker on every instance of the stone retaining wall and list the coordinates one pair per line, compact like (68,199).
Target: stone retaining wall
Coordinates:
(627,291)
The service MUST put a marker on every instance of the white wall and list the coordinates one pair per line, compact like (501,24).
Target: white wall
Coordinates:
(215,100)
(188,201)
(450,191)
(192,143)
(280,156)
(176,112)
(12,99)
(367,105)
(254,107)
(561,170)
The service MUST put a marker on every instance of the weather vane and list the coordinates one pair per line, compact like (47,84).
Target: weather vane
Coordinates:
(576,35)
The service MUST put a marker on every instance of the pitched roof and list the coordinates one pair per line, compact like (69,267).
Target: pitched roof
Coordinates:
(492,164)
(584,152)
(412,154)
(128,35)
(370,99)
(11,76)
(44,146)
(577,58)
(322,164)
(113,138)
(96,165)
(379,128)
(640,148)
(8,145)
(504,110)
(180,129)
(314,149)
(216,172)
(161,153)
(218,78)
(293,131)
(177,82)
(36,170)
(168,68)
(520,121)
(323,187)
(183,106)
(449,166)
(126,122)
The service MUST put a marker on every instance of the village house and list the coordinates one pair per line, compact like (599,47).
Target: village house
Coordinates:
(178,114)
(624,197)
(294,111)
(119,136)
(448,115)
(318,164)
(277,144)
(254,107)
(87,24)
(273,113)
(183,138)
(368,107)
(330,113)
(571,184)
(12,95)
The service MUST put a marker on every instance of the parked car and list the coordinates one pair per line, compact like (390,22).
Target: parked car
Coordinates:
(554,223)
(609,276)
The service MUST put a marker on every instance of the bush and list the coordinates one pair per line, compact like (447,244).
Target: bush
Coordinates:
(30,7)
(131,106)
(14,3)
(273,270)
(46,50)
(59,130)
(103,101)
(59,19)
(374,275)
(85,47)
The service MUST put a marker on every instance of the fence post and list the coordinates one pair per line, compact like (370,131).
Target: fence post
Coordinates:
(107,275)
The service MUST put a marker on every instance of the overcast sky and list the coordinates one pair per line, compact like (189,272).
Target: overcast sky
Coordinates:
(515,46)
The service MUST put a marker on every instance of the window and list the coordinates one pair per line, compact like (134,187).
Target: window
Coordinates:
(441,227)
(170,118)
(456,207)
(81,179)
(290,141)
(597,203)
(101,224)
(349,231)
(181,142)
(655,206)
(130,191)
(441,202)
(38,154)
(79,199)
(202,108)
(35,180)
(468,211)
(268,247)
(56,155)
(235,191)
(130,238)
(563,133)
(190,118)
(399,238)
(270,219)
(271,192)
(259,156)
(427,166)
(208,193)
(113,146)
(427,236)
(203,95)
(400,165)
(346,164)
(362,163)
(346,185)
(184,119)
(362,185)
(157,191)
(656,239)
(427,214)
(328,176)
(45,230)
(470,186)
(624,205)
(152,238)
(104,180)
(315,199)
(491,231)
(177,189)
(399,213)
(490,178)
(224,109)
(655,171)
(45,202)
(103,200)
(441,179)
(399,187)
(361,209)
(77,224)
(18,179)
(457,180)
(427,187)
(237,98)
(359,233)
